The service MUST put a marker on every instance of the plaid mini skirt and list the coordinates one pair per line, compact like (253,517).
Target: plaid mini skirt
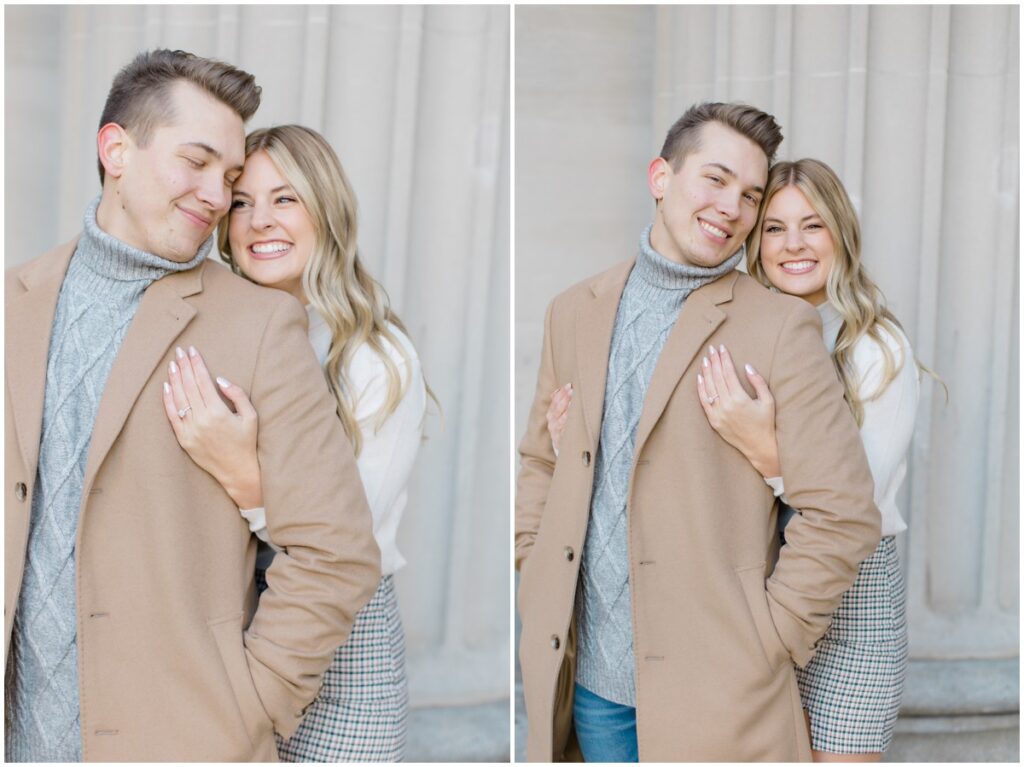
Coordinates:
(854,683)
(360,713)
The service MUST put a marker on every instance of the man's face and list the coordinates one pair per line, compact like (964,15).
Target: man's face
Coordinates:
(172,192)
(707,208)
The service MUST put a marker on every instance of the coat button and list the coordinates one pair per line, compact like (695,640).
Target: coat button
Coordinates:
(555,642)
(586,457)
(20,491)
(570,555)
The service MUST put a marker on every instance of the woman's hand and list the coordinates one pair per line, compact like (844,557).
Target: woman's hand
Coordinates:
(219,441)
(746,424)
(558,413)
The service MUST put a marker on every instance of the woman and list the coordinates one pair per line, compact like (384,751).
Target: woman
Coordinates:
(292,226)
(807,243)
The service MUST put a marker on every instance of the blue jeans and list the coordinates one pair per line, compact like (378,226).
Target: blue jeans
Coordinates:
(606,731)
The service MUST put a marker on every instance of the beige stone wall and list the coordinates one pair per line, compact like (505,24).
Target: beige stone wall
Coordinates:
(916,108)
(415,99)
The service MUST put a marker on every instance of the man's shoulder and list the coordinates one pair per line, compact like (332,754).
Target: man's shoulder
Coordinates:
(55,259)
(595,284)
(220,284)
(753,298)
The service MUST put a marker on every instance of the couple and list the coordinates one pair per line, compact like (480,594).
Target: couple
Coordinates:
(134,621)
(663,612)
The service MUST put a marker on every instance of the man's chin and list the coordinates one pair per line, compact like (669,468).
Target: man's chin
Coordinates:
(181,253)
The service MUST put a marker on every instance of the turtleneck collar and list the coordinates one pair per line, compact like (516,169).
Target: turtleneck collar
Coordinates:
(111,259)
(658,271)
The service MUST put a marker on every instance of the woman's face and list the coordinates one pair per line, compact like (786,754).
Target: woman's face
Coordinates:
(270,233)
(797,250)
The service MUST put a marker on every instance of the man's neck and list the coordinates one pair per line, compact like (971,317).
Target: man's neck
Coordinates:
(109,220)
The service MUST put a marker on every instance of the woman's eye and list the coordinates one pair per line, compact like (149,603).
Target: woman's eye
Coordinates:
(237,204)
(773,229)
(814,226)
(194,162)
(284,199)
(715,179)
(751,199)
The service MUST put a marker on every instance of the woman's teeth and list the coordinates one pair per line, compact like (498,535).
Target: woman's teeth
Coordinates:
(271,247)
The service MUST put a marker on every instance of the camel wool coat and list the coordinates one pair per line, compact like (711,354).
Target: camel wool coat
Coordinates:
(175,661)
(720,613)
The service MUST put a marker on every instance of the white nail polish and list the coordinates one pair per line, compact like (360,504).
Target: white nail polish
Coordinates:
(749,369)
(179,352)
(174,368)
(700,379)
(721,348)
(167,388)
(223,382)
(711,349)
(706,363)
(192,351)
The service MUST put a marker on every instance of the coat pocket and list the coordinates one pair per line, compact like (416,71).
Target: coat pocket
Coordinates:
(227,633)
(752,582)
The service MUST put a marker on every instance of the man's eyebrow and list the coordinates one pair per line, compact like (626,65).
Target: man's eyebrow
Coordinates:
(730,172)
(209,150)
(205,147)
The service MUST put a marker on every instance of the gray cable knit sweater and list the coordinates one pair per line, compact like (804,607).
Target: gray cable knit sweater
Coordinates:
(99,296)
(650,304)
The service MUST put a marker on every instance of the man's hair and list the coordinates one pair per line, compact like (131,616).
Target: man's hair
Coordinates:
(139,99)
(684,136)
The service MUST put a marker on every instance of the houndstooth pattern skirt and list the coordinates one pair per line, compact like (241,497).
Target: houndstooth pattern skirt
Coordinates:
(361,711)
(854,683)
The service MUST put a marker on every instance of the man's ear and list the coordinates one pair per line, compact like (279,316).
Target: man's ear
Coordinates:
(113,144)
(658,174)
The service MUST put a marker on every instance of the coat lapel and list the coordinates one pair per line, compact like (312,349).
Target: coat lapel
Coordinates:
(698,319)
(29,327)
(161,317)
(594,323)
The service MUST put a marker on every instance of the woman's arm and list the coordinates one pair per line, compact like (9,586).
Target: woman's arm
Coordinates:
(888,424)
(388,453)
(746,424)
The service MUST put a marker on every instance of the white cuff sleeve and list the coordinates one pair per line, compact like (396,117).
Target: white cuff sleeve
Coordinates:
(775,483)
(257,519)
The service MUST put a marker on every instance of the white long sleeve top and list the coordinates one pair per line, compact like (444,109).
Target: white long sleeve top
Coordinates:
(388,454)
(888,424)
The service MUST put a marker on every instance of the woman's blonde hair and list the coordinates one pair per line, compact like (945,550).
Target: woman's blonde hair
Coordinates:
(353,305)
(859,301)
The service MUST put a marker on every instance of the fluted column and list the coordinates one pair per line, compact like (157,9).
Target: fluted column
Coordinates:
(415,101)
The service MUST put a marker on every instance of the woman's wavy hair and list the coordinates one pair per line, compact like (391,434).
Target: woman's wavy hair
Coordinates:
(354,306)
(859,301)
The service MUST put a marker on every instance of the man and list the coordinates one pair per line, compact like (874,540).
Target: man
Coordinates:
(660,619)
(130,605)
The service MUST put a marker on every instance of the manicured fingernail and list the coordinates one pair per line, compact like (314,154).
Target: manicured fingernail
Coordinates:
(192,351)
(712,348)
(180,353)
(223,382)
(706,363)
(173,368)
(721,348)
(700,379)
(167,388)
(749,369)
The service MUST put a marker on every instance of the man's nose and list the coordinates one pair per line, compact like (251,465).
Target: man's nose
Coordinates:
(729,204)
(215,193)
